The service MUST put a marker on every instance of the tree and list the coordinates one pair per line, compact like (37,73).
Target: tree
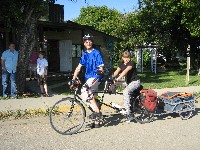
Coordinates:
(173,24)
(101,18)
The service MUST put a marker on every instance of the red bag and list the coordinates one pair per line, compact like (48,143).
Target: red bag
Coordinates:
(149,99)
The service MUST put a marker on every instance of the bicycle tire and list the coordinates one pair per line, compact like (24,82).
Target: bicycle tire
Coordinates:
(67,116)
(142,115)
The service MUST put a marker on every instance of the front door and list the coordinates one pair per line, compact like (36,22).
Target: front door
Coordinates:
(53,56)
(65,49)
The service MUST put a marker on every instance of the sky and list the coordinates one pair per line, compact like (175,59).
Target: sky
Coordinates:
(72,9)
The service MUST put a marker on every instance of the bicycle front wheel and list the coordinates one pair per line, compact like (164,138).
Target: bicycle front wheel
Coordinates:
(67,116)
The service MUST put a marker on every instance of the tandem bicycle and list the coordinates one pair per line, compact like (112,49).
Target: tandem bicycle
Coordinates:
(68,115)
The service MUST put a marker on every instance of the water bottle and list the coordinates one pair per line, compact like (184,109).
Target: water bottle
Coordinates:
(115,105)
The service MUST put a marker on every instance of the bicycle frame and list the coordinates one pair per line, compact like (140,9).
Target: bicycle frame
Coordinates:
(77,97)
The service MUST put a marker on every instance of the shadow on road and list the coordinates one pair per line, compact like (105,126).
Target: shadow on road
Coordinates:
(114,119)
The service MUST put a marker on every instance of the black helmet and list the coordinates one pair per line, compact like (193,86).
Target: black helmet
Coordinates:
(88,37)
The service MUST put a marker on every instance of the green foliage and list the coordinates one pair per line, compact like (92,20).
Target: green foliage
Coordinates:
(101,18)
(17,13)
(171,24)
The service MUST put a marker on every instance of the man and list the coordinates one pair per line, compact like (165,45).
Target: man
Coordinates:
(93,62)
(9,65)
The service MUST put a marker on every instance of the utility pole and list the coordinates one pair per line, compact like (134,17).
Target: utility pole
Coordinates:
(188,66)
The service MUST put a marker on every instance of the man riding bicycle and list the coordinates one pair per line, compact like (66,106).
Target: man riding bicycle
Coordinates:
(93,62)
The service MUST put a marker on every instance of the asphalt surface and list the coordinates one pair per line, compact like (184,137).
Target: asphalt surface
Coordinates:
(164,133)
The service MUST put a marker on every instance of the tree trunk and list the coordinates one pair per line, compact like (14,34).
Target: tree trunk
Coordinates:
(25,37)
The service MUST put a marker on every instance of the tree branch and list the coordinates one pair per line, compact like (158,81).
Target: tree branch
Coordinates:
(29,15)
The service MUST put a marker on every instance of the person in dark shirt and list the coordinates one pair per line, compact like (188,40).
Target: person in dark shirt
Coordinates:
(127,69)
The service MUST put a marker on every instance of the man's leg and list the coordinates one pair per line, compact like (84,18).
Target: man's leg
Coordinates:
(13,84)
(87,90)
(4,82)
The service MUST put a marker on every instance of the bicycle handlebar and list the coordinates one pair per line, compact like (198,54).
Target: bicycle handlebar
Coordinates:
(109,80)
(73,84)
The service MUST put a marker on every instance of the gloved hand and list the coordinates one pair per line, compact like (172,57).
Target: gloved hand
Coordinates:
(73,84)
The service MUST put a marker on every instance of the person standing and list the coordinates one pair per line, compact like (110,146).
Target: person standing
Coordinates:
(9,61)
(93,62)
(33,64)
(42,65)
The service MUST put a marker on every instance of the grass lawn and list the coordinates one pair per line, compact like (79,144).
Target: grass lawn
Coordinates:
(154,81)
(167,80)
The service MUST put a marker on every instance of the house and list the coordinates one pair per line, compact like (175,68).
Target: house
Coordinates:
(63,44)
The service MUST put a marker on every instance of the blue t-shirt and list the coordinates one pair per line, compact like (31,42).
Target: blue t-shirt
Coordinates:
(10,60)
(92,61)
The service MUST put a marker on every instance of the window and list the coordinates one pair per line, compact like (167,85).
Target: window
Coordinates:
(76,50)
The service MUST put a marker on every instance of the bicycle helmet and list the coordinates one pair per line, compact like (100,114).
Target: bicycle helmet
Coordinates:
(88,37)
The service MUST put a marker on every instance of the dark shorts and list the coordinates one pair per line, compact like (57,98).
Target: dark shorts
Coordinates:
(41,80)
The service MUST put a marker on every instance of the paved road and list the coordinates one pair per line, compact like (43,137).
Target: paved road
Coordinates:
(168,133)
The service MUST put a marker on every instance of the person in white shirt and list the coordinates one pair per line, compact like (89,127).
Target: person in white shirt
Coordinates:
(42,65)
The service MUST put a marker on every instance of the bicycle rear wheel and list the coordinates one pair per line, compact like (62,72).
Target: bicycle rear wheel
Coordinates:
(142,115)
(67,116)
